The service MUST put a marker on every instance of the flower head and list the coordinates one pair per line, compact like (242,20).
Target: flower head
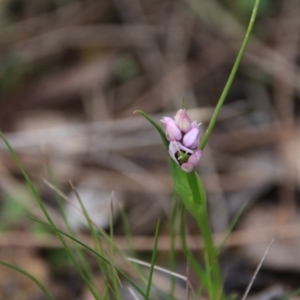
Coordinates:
(184,137)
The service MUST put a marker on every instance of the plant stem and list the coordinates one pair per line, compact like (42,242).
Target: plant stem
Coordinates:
(201,216)
(230,78)
(211,255)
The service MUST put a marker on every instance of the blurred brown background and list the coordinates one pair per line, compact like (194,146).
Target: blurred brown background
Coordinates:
(71,74)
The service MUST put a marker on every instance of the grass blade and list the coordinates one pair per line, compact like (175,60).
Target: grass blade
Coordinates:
(55,229)
(230,228)
(48,217)
(154,254)
(37,282)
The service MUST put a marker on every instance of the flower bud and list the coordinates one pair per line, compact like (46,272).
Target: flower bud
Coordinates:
(173,133)
(183,121)
(191,139)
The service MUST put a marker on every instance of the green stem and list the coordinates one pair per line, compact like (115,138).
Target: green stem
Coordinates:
(210,253)
(193,260)
(154,255)
(231,78)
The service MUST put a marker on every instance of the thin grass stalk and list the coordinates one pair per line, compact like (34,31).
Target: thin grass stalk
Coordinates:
(108,238)
(231,77)
(31,277)
(102,233)
(127,231)
(91,228)
(77,252)
(128,235)
(257,270)
(174,213)
(90,224)
(55,229)
(154,254)
(96,239)
(44,210)
(115,277)
(230,228)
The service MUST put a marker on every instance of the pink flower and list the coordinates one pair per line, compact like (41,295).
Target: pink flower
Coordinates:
(191,139)
(173,133)
(175,148)
(192,162)
(184,137)
(183,156)
(183,121)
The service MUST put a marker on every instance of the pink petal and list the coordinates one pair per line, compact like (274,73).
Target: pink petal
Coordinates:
(166,119)
(194,158)
(173,133)
(186,167)
(173,149)
(191,138)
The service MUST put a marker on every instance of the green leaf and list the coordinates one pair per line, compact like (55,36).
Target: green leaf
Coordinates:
(157,127)
(181,184)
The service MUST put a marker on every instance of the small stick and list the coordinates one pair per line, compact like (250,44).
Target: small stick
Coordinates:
(257,270)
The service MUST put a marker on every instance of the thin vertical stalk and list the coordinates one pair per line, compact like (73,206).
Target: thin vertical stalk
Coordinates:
(154,254)
(210,253)
(172,260)
(48,217)
(202,275)
(237,62)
